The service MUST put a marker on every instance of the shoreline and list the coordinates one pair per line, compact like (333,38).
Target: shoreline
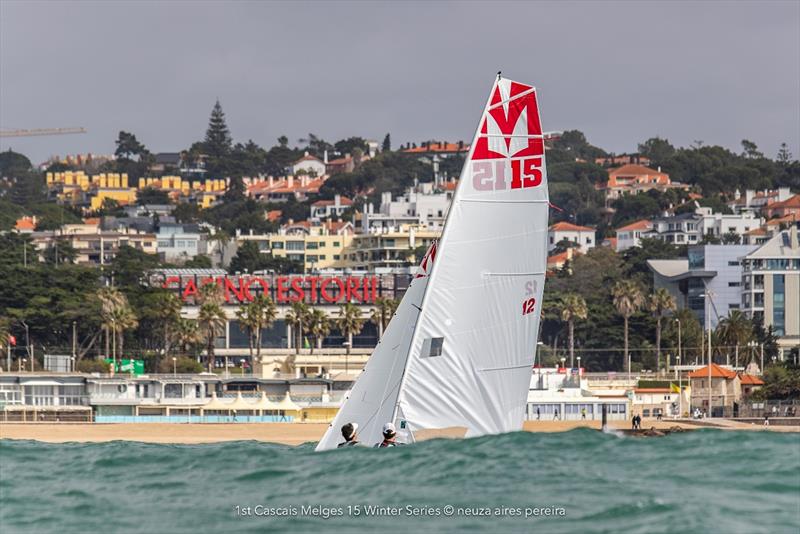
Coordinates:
(287,433)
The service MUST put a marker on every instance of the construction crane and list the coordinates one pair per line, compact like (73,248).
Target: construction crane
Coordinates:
(41,131)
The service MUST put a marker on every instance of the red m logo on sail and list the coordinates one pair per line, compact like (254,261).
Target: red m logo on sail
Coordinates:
(507,124)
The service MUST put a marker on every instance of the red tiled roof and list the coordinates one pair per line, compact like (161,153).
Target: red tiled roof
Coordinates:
(791,202)
(569,227)
(639,172)
(750,380)
(274,215)
(437,147)
(756,231)
(716,372)
(344,201)
(610,242)
(25,223)
(642,224)
(91,220)
(308,157)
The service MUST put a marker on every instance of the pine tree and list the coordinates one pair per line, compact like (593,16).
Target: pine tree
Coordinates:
(784,156)
(387,144)
(217,143)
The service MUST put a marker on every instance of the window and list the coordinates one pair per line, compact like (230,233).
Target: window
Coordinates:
(311,245)
(295,245)
(779,304)
(277,244)
(336,257)
(311,258)
(322,256)
(733,263)
(551,240)
(588,240)
(432,347)
(734,284)
(335,244)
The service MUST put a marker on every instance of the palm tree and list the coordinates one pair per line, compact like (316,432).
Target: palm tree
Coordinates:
(221,238)
(737,330)
(210,318)
(116,315)
(297,316)
(185,334)
(382,313)
(257,315)
(110,298)
(350,322)
(319,326)
(628,300)
(659,303)
(168,312)
(573,307)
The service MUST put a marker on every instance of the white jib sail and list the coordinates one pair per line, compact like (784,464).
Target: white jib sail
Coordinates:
(475,340)
(372,400)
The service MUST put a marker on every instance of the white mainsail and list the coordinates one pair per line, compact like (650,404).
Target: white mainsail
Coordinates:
(464,344)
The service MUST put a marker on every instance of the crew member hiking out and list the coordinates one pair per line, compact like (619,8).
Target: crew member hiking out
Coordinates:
(349,434)
(389,436)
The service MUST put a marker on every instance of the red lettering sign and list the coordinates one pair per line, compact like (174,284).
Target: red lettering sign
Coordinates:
(287,289)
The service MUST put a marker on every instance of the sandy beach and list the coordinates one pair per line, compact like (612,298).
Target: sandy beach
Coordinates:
(284,433)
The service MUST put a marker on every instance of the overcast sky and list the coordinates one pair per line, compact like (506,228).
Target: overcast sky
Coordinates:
(620,72)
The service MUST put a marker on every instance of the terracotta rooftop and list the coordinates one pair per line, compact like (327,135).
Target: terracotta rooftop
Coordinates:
(26,223)
(569,227)
(642,224)
(343,201)
(791,202)
(437,147)
(750,380)
(716,372)
(274,215)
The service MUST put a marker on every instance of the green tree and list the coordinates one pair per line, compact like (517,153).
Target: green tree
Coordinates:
(149,195)
(59,252)
(573,307)
(657,149)
(201,261)
(784,155)
(350,323)
(248,258)
(750,150)
(319,326)
(689,345)
(132,156)
(211,319)
(628,299)
(14,164)
(382,313)
(255,316)
(298,316)
(186,336)
(387,144)
(217,143)
(736,329)
(117,316)
(659,303)
(167,310)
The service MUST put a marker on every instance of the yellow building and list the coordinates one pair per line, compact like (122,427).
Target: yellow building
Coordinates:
(393,248)
(315,246)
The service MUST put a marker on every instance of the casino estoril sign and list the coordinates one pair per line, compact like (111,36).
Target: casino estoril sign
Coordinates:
(283,289)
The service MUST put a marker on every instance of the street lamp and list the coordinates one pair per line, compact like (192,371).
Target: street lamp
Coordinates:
(346,345)
(174,365)
(680,388)
(679,340)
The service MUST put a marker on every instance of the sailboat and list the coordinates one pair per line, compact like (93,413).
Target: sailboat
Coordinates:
(460,348)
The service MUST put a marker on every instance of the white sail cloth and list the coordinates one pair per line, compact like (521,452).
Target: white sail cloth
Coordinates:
(461,346)
(475,341)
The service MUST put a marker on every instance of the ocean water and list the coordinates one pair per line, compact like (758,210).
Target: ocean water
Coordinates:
(701,481)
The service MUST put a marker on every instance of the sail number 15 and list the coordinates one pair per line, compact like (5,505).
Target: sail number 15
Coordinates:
(492,175)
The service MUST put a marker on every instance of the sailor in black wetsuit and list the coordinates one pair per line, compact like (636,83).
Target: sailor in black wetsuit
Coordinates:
(389,436)
(349,434)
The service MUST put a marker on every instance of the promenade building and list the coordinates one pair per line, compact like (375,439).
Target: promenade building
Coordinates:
(565,394)
(714,270)
(178,243)
(390,247)
(425,205)
(632,179)
(579,237)
(314,245)
(691,228)
(92,244)
(631,234)
(771,287)
(753,201)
